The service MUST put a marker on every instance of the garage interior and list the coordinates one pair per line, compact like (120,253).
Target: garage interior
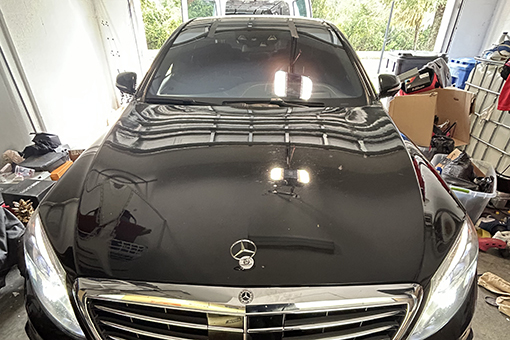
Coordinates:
(59,61)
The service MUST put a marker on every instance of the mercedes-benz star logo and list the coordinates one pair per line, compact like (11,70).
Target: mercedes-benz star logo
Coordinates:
(245,297)
(244,251)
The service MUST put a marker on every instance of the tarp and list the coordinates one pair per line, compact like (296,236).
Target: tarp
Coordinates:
(11,230)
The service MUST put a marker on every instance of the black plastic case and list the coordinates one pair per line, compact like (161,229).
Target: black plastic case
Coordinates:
(27,190)
(49,161)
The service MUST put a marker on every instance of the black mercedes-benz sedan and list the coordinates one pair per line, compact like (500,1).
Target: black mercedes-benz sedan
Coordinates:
(254,188)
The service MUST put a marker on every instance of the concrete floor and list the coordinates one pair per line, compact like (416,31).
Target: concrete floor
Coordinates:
(488,323)
(12,308)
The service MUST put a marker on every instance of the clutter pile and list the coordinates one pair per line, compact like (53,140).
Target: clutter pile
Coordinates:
(475,184)
(494,225)
(46,158)
(45,155)
(494,233)
(25,178)
(500,50)
(473,181)
(436,118)
(457,169)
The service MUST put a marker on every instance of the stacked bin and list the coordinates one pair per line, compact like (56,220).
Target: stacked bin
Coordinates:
(399,62)
(460,70)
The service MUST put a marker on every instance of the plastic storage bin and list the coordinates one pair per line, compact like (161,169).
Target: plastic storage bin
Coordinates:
(460,70)
(501,200)
(474,201)
(400,61)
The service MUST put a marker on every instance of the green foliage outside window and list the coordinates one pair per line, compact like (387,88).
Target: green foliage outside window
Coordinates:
(160,20)
(414,25)
(200,9)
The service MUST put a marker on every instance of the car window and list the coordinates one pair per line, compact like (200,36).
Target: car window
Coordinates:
(244,63)
(258,7)
(191,34)
(326,35)
(201,8)
(301,5)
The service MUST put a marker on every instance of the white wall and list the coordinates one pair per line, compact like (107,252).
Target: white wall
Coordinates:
(475,18)
(500,24)
(14,124)
(68,61)
(121,26)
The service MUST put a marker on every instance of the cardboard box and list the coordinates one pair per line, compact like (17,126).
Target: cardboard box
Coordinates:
(74,154)
(414,114)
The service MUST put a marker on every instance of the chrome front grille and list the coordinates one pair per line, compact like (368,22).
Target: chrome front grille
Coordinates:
(120,310)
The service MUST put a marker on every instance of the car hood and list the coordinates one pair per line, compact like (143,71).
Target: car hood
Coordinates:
(172,188)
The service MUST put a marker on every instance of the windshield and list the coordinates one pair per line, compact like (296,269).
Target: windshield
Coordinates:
(269,7)
(236,64)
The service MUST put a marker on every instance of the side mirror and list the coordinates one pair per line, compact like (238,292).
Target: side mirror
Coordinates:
(389,85)
(126,82)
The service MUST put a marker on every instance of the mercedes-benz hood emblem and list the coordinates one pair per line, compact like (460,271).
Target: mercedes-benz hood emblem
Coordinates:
(244,251)
(245,297)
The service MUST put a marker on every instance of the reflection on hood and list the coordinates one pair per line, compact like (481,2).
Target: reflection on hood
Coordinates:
(151,128)
(108,227)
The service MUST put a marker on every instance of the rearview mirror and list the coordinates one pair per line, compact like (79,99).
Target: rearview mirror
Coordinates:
(389,85)
(126,82)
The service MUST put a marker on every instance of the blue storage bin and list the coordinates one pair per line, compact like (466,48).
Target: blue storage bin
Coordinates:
(460,69)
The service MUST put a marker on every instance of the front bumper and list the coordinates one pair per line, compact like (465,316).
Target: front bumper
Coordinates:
(41,327)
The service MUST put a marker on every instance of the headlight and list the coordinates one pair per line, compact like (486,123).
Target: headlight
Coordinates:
(48,278)
(450,285)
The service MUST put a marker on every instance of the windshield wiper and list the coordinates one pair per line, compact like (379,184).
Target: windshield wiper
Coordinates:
(271,103)
(243,104)
(163,100)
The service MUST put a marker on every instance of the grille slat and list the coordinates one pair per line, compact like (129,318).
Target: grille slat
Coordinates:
(178,312)
(115,337)
(346,335)
(318,323)
(183,315)
(378,337)
(151,319)
(141,332)
(336,324)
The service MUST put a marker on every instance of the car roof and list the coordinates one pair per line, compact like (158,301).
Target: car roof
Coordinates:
(274,21)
